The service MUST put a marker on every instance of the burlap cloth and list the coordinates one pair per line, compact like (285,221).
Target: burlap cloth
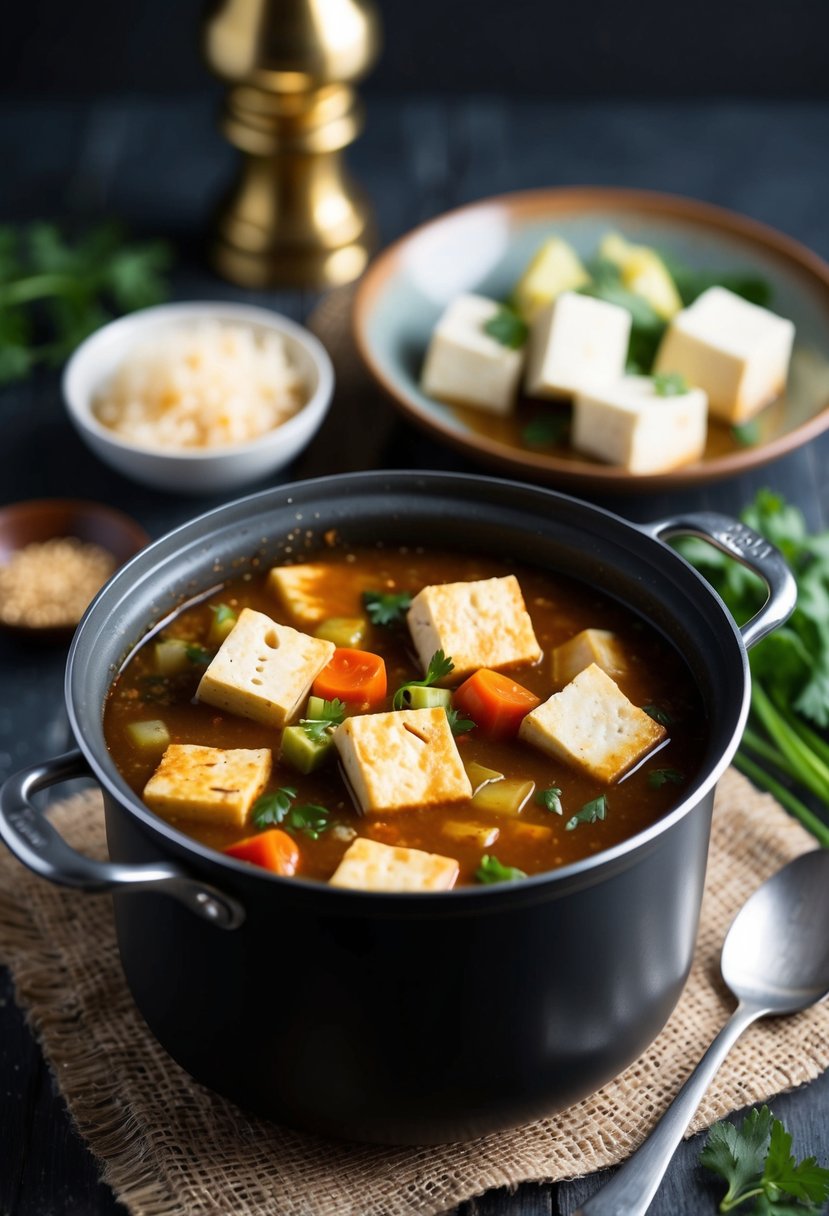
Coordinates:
(169,1148)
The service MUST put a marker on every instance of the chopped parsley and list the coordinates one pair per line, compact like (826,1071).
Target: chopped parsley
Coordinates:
(331,715)
(550,799)
(271,809)
(439,666)
(591,812)
(491,870)
(457,724)
(664,776)
(658,715)
(670,384)
(747,434)
(507,328)
(199,656)
(309,818)
(222,613)
(386,608)
(545,431)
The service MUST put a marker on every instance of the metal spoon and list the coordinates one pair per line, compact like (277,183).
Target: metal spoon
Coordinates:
(775,959)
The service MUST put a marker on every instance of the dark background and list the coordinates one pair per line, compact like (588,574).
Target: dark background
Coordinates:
(556,48)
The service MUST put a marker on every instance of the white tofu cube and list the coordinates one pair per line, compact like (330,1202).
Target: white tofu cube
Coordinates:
(401,760)
(477,624)
(311,593)
(467,366)
(576,343)
(737,352)
(369,865)
(627,423)
(592,726)
(263,670)
(598,646)
(211,784)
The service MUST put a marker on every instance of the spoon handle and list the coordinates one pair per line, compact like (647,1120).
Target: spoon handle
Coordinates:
(630,1191)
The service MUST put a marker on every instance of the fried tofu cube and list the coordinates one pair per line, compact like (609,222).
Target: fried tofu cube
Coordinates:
(592,726)
(576,343)
(736,351)
(400,760)
(465,365)
(598,646)
(476,624)
(309,593)
(262,670)
(368,865)
(212,784)
(628,423)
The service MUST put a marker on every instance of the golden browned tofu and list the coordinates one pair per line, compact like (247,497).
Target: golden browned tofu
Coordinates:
(592,725)
(598,646)
(400,760)
(313,592)
(477,624)
(211,784)
(369,865)
(263,671)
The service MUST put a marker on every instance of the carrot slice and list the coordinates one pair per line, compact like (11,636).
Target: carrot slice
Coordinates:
(494,702)
(274,850)
(357,677)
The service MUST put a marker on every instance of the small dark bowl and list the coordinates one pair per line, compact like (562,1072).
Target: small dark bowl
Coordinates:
(25,523)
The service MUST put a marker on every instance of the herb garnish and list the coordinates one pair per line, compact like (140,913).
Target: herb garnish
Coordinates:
(670,384)
(278,808)
(75,287)
(457,724)
(545,431)
(222,613)
(198,655)
(659,715)
(747,434)
(756,1161)
(439,666)
(507,328)
(332,714)
(386,608)
(591,812)
(550,799)
(491,870)
(309,818)
(662,776)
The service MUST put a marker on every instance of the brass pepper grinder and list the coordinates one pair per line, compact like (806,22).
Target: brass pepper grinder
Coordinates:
(294,217)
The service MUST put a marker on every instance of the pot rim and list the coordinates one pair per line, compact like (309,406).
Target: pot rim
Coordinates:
(582,872)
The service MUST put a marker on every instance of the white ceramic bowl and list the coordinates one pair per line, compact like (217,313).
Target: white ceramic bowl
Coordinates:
(206,471)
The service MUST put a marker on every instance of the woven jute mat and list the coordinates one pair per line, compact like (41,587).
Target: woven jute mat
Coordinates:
(168,1147)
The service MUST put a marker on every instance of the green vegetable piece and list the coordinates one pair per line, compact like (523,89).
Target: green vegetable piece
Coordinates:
(480,776)
(591,812)
(224,618)
(418,696)
(670,384)
(457,724)
(439,666)
(747,434)
(545,431)
(491,870)
(172,656)
(508,796)
(663,776)
(343,630)
(386,608)
(309,818)
(550,799)
(269,810)
(151,737)
(303,751)
(323,717)
(507,328)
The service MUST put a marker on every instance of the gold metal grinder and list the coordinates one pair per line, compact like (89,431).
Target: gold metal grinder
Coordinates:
(294,217)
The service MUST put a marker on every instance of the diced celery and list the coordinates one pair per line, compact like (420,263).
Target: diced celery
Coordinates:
(224,618)
(172,656)
(480,776)
(506,797)
(149,736)
(478,833)
(343,630)
(302,752)
(415,696)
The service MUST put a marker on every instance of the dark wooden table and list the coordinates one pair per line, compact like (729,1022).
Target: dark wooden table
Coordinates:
(159,167)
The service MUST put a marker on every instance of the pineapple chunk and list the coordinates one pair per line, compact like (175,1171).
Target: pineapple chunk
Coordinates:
(555,268)
(644,273)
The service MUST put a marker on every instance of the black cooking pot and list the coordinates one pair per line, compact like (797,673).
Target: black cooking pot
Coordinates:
(398,1017)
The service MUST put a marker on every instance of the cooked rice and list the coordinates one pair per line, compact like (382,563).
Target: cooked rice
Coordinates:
(204,385)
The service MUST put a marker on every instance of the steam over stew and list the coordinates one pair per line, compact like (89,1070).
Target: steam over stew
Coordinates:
(406,720)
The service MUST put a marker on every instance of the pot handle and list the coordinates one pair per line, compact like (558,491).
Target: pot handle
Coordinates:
(749,548)
(35,842)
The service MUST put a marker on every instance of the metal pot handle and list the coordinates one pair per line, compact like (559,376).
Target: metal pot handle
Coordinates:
(35,842)
(750,549)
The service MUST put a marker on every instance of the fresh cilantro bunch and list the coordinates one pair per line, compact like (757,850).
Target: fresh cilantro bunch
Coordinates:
(55,292)
(756,1161)
(790,668)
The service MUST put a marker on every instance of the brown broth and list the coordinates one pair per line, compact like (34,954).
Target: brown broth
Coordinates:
(559,608)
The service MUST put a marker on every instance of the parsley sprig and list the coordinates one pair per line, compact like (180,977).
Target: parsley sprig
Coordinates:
(439,666)
(386,607)
(591,812)
(506,327)
(756,1161)
(670,384)
(457,724)
(491,870)
(278,808)
(332,714)
(550,799)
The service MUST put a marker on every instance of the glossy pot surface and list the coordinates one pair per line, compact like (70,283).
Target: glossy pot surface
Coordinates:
(404,1018)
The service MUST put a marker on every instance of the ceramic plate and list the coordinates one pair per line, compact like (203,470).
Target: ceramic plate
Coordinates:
(485,246)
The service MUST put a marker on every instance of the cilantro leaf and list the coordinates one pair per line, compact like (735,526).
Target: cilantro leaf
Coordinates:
(747,434)
(491,870)
(331,715)
(198,655)
(222,613)
(737,1154)
(386,608)
(670,384)
(269,809)
(310,818)
(658,715)
(658,777)
(550,799)
(804,1180)
(439,666)
(545,431)
(457,724)
(591,812)
(507,328)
